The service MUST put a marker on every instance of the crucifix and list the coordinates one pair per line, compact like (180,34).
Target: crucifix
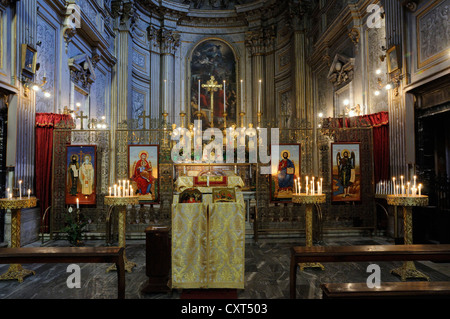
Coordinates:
(212,87)
(144,117)
(81,117)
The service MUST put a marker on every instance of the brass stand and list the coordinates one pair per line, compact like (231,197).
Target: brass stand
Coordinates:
(309,201)
(121,203)
(408,270)
(16,271)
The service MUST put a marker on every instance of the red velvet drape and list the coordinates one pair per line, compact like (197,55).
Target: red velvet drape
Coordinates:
(380,126)
(45,123)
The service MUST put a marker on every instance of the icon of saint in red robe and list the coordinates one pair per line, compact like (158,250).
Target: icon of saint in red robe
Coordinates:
(143,174)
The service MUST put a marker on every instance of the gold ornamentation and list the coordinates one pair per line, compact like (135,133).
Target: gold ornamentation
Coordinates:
(308,199)
(396,200)
(408,269)
(16,271)
(122,202)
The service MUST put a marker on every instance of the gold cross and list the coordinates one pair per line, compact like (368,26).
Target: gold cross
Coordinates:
(212,87)
(144,117)
(81,117)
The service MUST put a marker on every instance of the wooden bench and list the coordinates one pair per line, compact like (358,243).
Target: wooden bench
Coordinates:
(363,253)
(413,289)
(45,255)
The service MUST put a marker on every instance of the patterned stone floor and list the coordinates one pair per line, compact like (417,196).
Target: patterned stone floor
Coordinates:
(266,273)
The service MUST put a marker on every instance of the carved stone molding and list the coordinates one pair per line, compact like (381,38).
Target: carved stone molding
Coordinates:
(354,35)
(341,70)
(71,22)
(7,3)
(82,71)
(260,41)
(411,5)
(123,11)
(168,40)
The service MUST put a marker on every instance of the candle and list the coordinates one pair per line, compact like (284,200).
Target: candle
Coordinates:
(397,190)
(318,188)
(78,204)
(420,189)
(29,193)
(110,192)
(313,185)
(242,94)
(321,185)
(131,190)
(20,189)
(415,181)
(259,96)
(224,97)
(295,185)
(235,169)
(182,97)
(199,99)
(307,189)
(401,177)
(115,190)
(407,189)
(403,190)
(307,181)
(207,180)
(7,193)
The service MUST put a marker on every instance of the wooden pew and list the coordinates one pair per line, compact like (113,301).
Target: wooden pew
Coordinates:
(45,255)
(387,290)
(363,253)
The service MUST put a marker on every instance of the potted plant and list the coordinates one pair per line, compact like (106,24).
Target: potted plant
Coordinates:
(75,225)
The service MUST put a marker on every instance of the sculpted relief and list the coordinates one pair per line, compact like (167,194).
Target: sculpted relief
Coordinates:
(434,31)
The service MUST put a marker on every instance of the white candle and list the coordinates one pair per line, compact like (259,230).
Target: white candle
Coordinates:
(207,180)
(110,192)
(397,190)
(115,190)
(78,204)
(407,189)
(307,181)
(20,189)
(299,188)
(295,185)
(242,94)
(318,188)
(224,96)
(403,190)
(199,99)
(131,190)
(29,193)
(182,97)
(420,189)
(321,185)
(7,193)
(307,190)
(393,180)
(401,177)
(259,96)
(235,169)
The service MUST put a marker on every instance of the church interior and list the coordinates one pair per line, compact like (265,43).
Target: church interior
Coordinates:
(224,149)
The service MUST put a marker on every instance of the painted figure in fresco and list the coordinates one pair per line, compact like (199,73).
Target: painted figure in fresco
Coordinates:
(73,175)
(345,166)
(87,176)
(143,174)
(286,173)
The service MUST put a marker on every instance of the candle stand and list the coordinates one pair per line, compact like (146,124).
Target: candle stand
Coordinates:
(408,270)
(309,201)
(16,205)
(121,203)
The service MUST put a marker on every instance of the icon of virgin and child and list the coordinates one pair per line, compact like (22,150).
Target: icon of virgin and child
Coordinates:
(142,175)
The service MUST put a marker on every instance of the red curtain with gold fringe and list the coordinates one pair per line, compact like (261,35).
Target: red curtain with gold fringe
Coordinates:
(45,123)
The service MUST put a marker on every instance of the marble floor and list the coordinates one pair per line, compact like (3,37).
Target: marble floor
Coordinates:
(266,273)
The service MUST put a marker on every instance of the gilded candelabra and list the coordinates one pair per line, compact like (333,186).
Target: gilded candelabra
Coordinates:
(408,269)
(309,201)
(122,203)
(16,271)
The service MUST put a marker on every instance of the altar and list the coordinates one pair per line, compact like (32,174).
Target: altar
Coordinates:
(208,233)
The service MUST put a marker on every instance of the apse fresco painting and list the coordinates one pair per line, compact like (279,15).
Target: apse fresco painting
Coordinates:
(213,60)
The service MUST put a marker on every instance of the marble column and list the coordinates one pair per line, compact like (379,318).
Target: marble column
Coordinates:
(169,41)
(255,42)
(155,72)
(397,112)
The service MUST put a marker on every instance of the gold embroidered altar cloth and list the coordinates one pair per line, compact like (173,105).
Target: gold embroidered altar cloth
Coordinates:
(208,244)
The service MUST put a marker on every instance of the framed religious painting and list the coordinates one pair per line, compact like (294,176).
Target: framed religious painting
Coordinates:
(81,166)
(143,172)
(393,59)
(346,172)
(284,172)
(29,56)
